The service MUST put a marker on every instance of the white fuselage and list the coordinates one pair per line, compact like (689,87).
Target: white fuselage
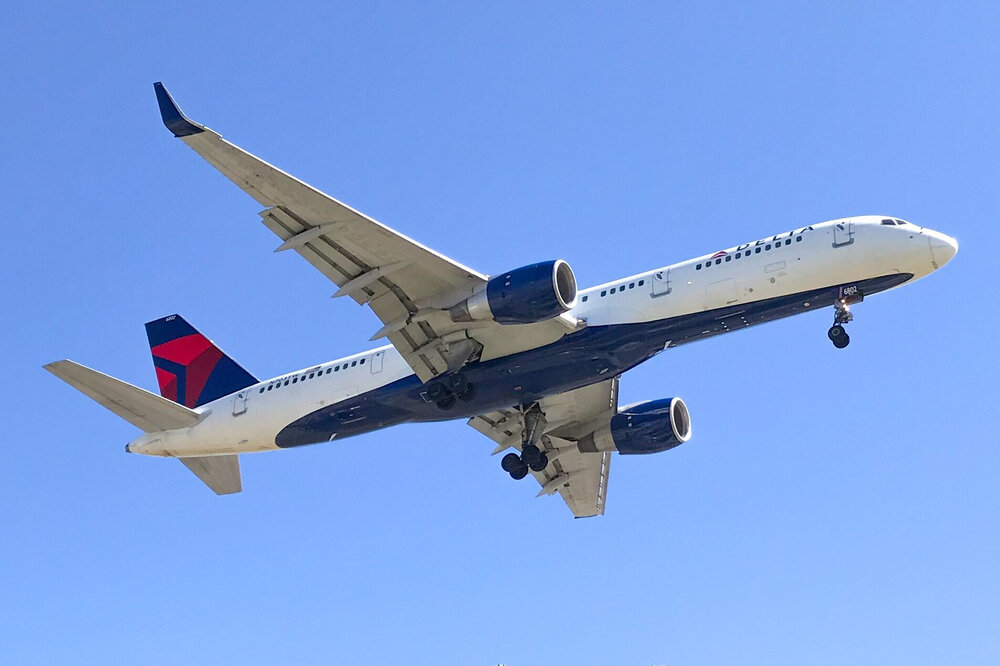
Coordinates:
(804,259)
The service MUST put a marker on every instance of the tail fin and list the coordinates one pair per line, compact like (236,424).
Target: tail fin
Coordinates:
(190,369)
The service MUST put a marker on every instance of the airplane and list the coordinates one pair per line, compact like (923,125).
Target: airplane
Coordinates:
(529,359)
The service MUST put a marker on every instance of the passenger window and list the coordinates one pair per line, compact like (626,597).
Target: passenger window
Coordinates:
(631,285)
(261,390)
(729,257)
(286,382)
(718,261)
(584,299)
(354,363)
(788,241)
(270,387)
(757,250)
(767,247)
(362,361)
(328,370)
(613,289)
(336,368)
(295,379)
(311,375)
(698,267)
(641,282)
(604,293)
(798,239)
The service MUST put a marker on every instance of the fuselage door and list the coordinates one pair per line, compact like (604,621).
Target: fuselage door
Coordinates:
(377,360)
(843,233)
(240,403)
(661,282)
(720,294)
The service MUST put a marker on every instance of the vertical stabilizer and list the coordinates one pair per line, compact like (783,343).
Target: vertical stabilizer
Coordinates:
(190,368)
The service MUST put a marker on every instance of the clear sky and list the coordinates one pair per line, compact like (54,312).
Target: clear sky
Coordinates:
(833,507)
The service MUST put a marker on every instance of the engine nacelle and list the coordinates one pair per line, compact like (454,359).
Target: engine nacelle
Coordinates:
(646,427)
(522,296)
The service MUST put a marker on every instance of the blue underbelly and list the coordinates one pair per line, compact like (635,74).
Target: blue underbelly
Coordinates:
(579,359)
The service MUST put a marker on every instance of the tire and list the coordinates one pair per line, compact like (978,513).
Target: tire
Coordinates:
(541,463)
(519,473)
(437,392)
(457,384)
(529,454)
(468,394)
(835,333)
(842,342)
(510,462)
(447,403)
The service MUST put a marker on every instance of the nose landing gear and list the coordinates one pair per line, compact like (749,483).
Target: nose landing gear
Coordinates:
(838,336)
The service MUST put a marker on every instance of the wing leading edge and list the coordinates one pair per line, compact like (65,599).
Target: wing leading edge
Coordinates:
(408,286)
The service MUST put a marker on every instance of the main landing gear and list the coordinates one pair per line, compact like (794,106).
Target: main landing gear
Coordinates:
(838,336)
(446,391)
(531,457)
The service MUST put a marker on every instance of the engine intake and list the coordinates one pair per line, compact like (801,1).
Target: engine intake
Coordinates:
(646,427)
(523,296)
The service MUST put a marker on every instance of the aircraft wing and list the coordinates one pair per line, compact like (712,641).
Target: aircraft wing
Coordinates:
(407,285)
(580,478)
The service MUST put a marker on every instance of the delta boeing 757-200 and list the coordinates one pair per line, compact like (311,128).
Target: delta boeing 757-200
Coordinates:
(532,362)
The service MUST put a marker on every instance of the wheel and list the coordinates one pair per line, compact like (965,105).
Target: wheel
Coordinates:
(468,394)
(529,454)
(835,333)
(510,462)
(437,392)
(460,386)
(457,384)
(519,473)
(541,463)
(446,403)
(842,341)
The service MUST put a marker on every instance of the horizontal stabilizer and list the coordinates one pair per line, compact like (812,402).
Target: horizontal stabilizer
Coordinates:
(139,407)
(220,473)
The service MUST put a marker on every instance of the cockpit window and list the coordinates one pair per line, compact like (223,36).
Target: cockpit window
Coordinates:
(900,221)
(889,222)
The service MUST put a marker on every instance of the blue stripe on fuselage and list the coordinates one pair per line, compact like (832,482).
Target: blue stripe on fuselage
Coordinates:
(585,357)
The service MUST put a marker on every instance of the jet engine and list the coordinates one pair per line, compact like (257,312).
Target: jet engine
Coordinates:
(646,427)
(522,296)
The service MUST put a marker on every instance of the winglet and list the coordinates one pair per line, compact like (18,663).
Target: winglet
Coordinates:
(174,119)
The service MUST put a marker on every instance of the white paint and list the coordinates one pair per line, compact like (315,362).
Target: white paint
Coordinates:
(829,253)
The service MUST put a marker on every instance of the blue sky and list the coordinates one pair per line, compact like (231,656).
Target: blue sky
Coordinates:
(833,506)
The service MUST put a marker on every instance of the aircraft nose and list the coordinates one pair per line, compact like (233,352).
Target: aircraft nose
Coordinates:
(942,246)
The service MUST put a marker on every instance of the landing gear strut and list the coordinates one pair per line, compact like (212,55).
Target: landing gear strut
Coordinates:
(531,457)
(838,336)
